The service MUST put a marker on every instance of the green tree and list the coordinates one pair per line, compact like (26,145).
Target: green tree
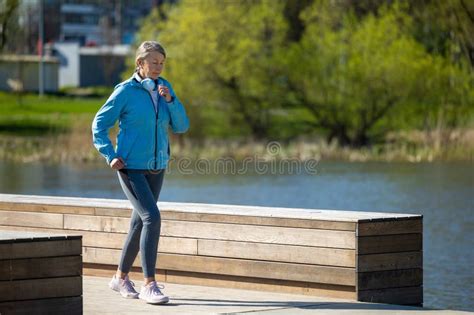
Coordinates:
(355,75)
(446,27)
(8,21)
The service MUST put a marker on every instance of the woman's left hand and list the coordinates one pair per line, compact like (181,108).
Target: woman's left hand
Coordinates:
(164,91)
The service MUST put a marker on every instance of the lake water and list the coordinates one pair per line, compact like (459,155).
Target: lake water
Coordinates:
(442,192)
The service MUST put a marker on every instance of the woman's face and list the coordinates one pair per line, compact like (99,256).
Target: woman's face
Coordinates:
(152,65)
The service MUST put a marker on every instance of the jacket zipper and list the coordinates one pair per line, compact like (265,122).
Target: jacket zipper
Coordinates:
(156,122)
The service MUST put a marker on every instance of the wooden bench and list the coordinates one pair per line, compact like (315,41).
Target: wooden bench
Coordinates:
(40,273)
(364,256)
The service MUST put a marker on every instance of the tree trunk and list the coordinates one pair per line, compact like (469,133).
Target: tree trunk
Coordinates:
(360,140)
(340,134)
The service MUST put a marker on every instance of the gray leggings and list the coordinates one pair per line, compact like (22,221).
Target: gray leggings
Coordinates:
(142,188)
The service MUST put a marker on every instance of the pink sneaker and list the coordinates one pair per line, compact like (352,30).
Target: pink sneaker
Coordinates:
(151,294)
(124,286)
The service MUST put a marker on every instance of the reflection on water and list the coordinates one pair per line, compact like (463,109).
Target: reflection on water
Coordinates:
(442,192)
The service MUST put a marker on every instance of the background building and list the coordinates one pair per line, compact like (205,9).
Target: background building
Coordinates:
(89,40)
(20,73)
(90,66)
(90,22)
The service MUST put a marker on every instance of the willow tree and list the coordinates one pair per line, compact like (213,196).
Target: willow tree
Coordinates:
(359,76)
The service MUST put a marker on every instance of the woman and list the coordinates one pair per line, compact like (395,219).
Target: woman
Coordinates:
(145,106)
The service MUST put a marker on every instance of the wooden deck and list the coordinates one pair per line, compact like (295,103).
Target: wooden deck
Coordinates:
(193,300)
(363,256)
(40,273)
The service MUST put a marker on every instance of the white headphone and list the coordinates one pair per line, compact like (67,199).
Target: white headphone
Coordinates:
(149,84)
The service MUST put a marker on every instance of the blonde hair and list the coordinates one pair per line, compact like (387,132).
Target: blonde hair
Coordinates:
(145,49)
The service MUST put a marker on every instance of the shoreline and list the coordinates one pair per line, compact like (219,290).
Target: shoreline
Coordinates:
(77,147)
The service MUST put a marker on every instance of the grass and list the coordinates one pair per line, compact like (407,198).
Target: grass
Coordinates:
(32,115)
(32,103)
(76,146)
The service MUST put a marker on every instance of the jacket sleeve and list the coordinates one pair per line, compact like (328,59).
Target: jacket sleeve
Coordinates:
(105,119)
(179,118)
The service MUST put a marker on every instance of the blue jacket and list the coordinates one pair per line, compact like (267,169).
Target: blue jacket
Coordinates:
(142,140)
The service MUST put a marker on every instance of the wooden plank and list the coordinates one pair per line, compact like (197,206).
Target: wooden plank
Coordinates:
(254,220)
(298,213)
(102,239)
(108,271)
(105,256)
(391,261)
(35,268)
(236,267)
(113,212)
(260,269)
(51,232)
(237,219)
(389,279)
(18,218)
(40,288)
(96,223)
(33,207)
(9,237)
(389,243)
(274,252)
(261,234)
(390,227)
(53,248)
(310,214)
(68,305)
(176,245)
(116,240)
(237,232)
(401,296)
(66,201)
(261,284)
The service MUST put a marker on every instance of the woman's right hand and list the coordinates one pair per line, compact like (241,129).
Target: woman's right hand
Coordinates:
(117,163)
